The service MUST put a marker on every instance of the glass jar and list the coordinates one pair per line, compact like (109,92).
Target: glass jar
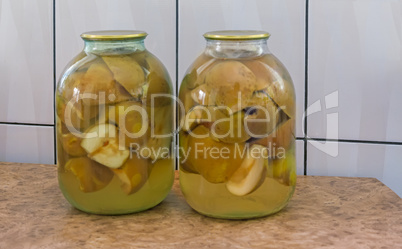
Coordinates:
(114,116)
(237,123)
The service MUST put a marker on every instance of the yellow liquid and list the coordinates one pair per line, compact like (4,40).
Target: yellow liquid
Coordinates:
(123,79)
(215,200)
(112,199)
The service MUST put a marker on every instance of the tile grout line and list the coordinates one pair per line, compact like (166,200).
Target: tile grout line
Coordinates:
(177,78)
(306,86)
(177,46)
(297,138)
(354,141)
(26,124)
(54,82)
(377,142)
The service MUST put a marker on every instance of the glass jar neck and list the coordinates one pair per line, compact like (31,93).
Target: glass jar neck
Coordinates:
(104,47)
(236,48)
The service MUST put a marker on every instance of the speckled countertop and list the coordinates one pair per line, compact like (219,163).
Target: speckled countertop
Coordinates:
(325,212)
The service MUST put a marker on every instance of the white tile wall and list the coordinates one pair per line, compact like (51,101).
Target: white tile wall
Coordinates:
(283,19)
(300,157)
(383,162)
(355,48)
(156,17)
(26,144)
(26,61)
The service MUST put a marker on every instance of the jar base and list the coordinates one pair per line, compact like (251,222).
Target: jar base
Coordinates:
(111,200)
(115,212)
(248,216)
(214,200)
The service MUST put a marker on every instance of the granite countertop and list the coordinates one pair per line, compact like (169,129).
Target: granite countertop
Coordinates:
(325,212)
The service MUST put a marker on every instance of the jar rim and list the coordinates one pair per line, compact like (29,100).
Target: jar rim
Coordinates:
(236,35)
(113,35)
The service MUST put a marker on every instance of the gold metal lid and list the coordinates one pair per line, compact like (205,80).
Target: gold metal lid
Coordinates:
(236,35)
(113,35)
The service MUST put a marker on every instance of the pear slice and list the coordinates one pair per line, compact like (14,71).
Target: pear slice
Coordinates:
(133,174)
(190,79)
(284,169)
(132,119)
(203,114)
(72,145)
(233,84)
(157,148)
(281,89)
(231,129)
(186,99)
(110,155)
(99,80)
(203,95)
(127,72)
(283,93)
(95,80)
(262,73)
(69,85)
(263,116)
(75,115)
(251,172)
(279,140)
(91,175)
(101,144)
(199,69)
(61,127)
(157,91)
(215,161)
(183,152)
(157,145)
